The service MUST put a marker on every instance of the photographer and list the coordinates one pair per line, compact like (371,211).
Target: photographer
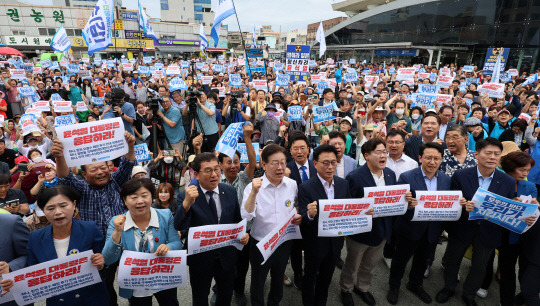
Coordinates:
(172,124)
(235,108)
(167,168)
(206,113)
(120,109)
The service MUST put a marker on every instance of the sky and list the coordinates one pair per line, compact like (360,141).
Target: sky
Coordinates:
(289,14)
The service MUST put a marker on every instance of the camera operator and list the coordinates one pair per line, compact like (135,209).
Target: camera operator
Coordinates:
(178,102)
(206,113)
(118,108)
(172,124)
(235,108)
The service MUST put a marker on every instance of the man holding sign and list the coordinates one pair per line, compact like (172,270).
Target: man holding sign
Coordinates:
(366,249)
(482,234)
(205,203)
(415,237)
(321,253)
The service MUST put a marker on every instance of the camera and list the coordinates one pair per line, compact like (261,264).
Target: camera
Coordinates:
(153,103)
(192,95)
(117,99)
(339,114)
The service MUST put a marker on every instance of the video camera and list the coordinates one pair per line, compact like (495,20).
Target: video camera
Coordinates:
(116,99)
(153,102)
(192,94)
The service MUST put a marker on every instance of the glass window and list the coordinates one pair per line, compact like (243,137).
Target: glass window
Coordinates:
(42,31)
(164,5)
(51,31)
(69,32)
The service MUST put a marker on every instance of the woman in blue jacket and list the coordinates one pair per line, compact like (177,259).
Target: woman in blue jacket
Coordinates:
(142,229)
(63,237)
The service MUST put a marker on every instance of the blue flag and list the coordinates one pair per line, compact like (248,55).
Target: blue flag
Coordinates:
(224,10)
(144,23)
(97,33)
(60,41)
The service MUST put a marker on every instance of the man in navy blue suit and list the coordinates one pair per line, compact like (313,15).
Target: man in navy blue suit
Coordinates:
(365,250)
(301,170)
(13,243)
(206,203)
(320,253)
(482,234)
(414,237)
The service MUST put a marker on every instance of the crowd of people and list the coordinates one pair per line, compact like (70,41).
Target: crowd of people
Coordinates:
(378,135)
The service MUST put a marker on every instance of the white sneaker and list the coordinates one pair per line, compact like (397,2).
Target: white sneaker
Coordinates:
(388,262)
(482,293)
(427,272)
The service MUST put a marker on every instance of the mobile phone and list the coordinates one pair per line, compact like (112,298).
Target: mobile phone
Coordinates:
(362,112)
(338,114)
(12,203)
(23,167)
(314,97)
(168,152)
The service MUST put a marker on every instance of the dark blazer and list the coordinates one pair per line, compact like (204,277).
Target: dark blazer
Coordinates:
(449,124)
(530,244)
(412,146)
(295,172)
(466,180)
(382,226)
(313,190)
(13,240)
(85,235)
(414,230)
(199,214)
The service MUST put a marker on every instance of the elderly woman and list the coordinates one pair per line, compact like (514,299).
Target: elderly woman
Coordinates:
(457,156)
(520,133)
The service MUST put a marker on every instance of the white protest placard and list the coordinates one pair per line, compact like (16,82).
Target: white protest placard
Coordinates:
(344,217)
(444,81)
(33,111)
(207,79)
(85,74)
(177,84)
(173,70)
(494,90)
(54,277)
(142,153)
(81,106)
(42,106)
(205,67)
(389,200)
(62,106)
(64,120)
(243,151)
(285,231)
(324,113)
(445,71)
(210,237)
(127,66)
(29,123)
(92,142)
(158,74)
(437,206)
(443,99)
(143,271)
(525,117)
(295,113)
(405,74)
(332,83)
(18,74)
(468,68)
(260,85)
(371,80)
(37,70)
(315,79)
(513,72)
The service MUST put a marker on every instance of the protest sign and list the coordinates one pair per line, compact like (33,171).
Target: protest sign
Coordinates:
(444,81)
(207,79)
(442,99)
(98,100)
(92,142)
(507,213)
(437,206)
(260,85)
(37,70)
(468,68)
(371,81)
(127,66)
(26,91)
(64,120)
(235,80)
(42,106)
(81,106)
(285,231)
(54,277)
(73,68)
(62,106)
(205,67)
(29,123)
(138,270)
(344,217)
(218,68)
(428,89)
(491,59)
(295,113)
(34,111)
(184,64)
(321,86)
(297,62)
(56,97)
(445,71)
(46,63)
(18,74)
(278,66)
(85,74)
(177,84)
(157,74)
(351,77)
(147,59)
(229,140)
(144,70)
(243,152)
(315,79)
(525,117)
(423,75)
(159,65)
(405,74)
(513,72)
(469,81)
(494,90)
(389,200)
(173,70)
(423,99)
(210,237)
(323,113)
(332,83)
(142,153)
(283,80)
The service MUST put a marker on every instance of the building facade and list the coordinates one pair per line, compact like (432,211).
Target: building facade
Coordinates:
(294,37)
(327,25)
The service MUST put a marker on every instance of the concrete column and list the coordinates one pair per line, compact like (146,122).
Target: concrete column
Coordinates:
(439,58)
(430,56)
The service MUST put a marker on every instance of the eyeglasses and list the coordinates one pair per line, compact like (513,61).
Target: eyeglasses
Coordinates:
(454,138)
(380,153)
(328,163)
(395,142)
(432,158)
(275,164)
(296,149)
(208,171)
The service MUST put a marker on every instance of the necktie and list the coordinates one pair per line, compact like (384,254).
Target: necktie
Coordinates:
(212,205)
(304,174)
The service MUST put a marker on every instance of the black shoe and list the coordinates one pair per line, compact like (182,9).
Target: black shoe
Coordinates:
(346,298)
(392,296)
(339,263)
(365,296)
(240,299)
(297,281)
(213,299)
(519,300)
(420,293)
(469,301)
(444,295)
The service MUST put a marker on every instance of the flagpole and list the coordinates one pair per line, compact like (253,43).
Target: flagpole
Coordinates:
(242,38)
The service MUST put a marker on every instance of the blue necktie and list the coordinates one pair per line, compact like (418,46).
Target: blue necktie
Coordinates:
(304,174)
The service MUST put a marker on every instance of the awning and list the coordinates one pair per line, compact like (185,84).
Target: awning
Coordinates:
(211,49)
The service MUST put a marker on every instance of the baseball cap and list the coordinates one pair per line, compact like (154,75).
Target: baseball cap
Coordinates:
(347,119)
(221,74)
(137,170)
(370,127)
(271,106)
(21,159)
(472,121)
(431,110)
(31,138)
(504,110)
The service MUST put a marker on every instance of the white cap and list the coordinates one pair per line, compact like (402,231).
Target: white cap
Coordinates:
(137,169)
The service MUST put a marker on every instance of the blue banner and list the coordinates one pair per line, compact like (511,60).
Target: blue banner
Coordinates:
(491,59)
(295,113)
(321,86)
(235,80)
(350,77)
(228,142)
(147,60)
(352,61)
(423,99)
(218,68)
(142,153)
(243,152)
(98,100)
(97,33)
(501,211)
(177,84)
(26,91)
(282,80)
(46,63)
(469,81)
(64,120)
(468,68)
(324,113)
(428,89)
(184,64)
(278,66)
(56,97)
(144,70)
(73,68)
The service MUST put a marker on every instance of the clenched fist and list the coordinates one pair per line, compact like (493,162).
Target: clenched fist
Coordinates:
(119,222)
(312,209)
(256,185)
(191,194)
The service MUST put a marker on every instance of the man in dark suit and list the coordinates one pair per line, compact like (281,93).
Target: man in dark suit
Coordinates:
(530,279)
(484,236)
(206,203)
(365,250)
(414,237)
(321,253)
(13,243)
(445,113)
(301,170)
(429,130)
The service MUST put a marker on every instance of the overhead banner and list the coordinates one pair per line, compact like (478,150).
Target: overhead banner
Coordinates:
(344,217)
(297,62)
(210,237)
(437,206)
(54,277)
(389,200)
(501,211)
(92,142)
(285,231)
(141,271)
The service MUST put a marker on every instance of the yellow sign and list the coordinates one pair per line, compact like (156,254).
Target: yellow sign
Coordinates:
(117,43)
(143,43)
(119,25)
